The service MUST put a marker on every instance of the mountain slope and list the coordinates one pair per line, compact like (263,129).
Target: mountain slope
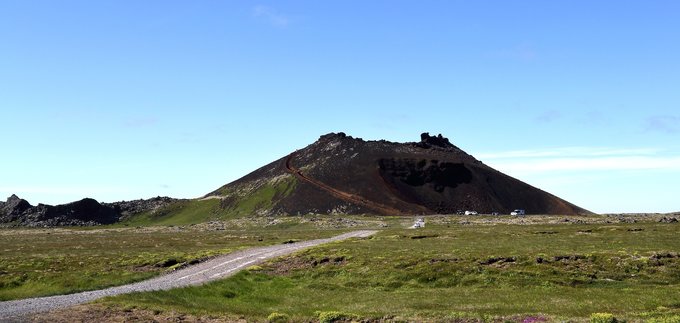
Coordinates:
(340,174)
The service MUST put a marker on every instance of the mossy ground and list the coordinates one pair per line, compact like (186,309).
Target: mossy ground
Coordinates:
(40,262)
(258,202)
(264,198)
(456,268)
(556,272)
(178,213)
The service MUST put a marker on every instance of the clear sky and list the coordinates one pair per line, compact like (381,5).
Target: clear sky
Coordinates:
(132,99)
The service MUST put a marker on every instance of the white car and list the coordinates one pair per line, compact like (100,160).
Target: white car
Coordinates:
(517,212)
(470,212)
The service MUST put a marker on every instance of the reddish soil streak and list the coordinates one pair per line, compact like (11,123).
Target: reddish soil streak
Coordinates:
(348,197)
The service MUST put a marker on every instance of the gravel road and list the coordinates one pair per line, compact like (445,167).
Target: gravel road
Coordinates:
(213,269)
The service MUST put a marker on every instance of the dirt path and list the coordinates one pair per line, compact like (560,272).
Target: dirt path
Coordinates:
(211,197)
(213,269)
(348,197)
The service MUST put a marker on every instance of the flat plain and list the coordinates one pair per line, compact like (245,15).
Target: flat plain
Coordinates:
(455,269)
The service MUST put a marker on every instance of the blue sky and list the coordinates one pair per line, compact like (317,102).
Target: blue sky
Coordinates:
(132,99)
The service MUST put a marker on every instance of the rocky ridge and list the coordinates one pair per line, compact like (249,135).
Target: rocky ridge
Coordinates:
(86,212)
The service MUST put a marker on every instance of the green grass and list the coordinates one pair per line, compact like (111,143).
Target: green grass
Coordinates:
(199,211)
(178,213)
(40,262)
(264,198)
(473,271)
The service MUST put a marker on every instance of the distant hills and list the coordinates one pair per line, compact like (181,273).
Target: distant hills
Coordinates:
(19,212)
(337,174)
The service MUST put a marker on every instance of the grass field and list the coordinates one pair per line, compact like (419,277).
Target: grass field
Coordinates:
(457,268)
(40,262)
(447,272)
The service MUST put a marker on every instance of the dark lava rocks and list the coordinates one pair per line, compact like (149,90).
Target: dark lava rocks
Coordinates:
(86,211)
(13,208)
(668,220)
(18,212)
(427,141)
(129,208)
(414,173)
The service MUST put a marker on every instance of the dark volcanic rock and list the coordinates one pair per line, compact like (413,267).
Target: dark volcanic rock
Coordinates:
(414,173)
(11,210)
(427,141)
(341,174)
(129,208)
(86,212)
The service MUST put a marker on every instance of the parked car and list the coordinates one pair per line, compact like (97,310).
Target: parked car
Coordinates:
(517,212)
(470,212)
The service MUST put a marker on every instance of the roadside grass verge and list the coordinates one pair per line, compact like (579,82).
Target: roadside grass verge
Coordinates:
(477,272)
(41,262)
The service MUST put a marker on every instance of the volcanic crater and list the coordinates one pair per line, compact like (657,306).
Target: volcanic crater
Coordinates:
(339,174)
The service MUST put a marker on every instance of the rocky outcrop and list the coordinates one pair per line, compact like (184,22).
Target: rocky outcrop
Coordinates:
(439,141)
(412,173)
(12,209)
(86,212)
(126,209)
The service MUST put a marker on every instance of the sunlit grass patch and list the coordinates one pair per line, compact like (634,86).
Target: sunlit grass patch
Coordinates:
(480,272)
(40,262)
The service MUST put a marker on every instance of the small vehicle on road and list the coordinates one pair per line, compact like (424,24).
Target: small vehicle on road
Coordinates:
(518,212)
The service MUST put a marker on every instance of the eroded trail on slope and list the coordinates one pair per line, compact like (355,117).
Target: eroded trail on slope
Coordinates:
(347,197)
(213,269)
